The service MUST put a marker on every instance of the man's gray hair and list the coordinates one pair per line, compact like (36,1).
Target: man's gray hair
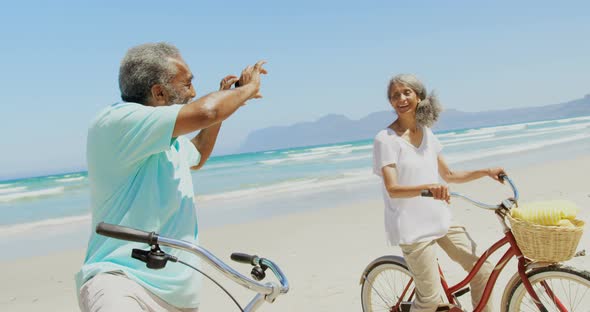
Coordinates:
(144,66)
(429,108)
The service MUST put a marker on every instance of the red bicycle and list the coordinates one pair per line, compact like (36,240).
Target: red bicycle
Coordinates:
(387,284)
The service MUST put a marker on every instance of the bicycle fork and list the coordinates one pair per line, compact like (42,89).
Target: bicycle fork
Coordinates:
(529,288)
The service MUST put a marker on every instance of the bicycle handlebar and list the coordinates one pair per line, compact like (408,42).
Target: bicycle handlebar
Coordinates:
(507,203)
(126,233)
(262,262)
(151,238)
(244,258)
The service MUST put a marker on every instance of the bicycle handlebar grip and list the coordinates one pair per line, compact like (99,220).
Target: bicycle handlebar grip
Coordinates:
(243,258)
(502,177)
(126,233)
(426,193)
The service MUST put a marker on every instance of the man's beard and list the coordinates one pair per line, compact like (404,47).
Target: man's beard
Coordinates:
(175,97)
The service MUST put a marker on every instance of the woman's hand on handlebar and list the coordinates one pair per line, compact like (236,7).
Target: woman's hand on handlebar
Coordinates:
(440,192)
(496,174)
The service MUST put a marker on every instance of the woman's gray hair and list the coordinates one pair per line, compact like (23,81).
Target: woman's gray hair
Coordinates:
(429,108)
(144,66)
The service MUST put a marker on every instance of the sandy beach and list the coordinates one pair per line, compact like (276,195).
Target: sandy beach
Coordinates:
(323,252)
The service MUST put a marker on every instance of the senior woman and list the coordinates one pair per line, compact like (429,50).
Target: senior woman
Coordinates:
(407,156)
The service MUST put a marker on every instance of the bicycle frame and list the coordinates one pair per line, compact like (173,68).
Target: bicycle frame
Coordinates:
(513,251)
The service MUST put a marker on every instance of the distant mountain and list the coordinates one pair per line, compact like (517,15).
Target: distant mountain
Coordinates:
(338,128)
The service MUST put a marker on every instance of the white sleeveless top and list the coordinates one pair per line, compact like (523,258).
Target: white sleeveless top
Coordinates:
(415,219)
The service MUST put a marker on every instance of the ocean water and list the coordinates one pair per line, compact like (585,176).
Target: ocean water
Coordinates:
(243,182)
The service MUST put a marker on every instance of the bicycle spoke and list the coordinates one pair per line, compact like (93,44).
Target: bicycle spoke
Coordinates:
(576,302)
(388,279)
(568,293)
(582,297)
(530,303)
(378,294)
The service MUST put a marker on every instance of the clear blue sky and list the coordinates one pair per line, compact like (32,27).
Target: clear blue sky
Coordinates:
(60,59)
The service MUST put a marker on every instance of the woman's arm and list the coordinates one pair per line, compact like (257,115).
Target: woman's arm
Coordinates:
(395,190)
(451,176)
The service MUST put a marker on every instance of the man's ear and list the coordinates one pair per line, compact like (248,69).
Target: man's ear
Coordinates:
(159,94)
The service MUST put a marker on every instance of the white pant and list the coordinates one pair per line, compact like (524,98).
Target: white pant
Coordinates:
(422,263)
(114,291)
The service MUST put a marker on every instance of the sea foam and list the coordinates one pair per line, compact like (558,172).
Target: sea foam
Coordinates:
(31,194)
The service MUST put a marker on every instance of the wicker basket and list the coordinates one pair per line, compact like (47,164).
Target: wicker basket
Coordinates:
(546,243)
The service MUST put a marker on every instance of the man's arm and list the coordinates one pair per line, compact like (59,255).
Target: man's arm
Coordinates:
(211,109)
(205,140)
(215,107)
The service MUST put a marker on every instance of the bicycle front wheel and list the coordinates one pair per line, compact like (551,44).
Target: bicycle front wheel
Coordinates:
(558,288)
(385,286)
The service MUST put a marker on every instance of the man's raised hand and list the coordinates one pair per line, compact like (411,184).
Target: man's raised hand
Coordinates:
(251,76)
(227,82)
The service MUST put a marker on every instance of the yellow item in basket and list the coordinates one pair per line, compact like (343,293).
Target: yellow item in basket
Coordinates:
(547,212)
(566,223)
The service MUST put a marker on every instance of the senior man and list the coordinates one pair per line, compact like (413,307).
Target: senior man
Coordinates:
(139,171)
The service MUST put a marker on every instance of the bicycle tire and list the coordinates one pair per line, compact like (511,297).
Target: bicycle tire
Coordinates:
(379,295)
(570,285)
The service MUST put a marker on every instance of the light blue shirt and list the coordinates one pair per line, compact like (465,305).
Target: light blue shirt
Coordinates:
(140,177)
